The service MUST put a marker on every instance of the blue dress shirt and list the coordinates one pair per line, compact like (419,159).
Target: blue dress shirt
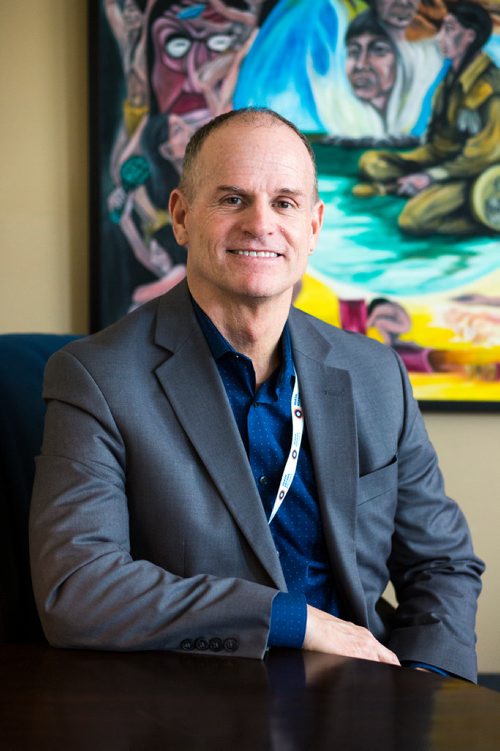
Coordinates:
(264,421)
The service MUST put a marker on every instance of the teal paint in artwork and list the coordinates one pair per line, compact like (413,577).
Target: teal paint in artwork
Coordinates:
(361,245)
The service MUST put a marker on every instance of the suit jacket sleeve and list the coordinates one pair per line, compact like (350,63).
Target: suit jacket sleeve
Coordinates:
(90,590)
(432,564)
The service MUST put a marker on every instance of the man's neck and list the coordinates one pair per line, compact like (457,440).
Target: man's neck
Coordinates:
(397,35)
(457,61)
(254,329)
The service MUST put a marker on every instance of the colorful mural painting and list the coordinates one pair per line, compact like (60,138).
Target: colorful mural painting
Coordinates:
(401,100)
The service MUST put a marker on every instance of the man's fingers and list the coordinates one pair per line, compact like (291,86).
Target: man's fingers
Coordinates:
(387,656)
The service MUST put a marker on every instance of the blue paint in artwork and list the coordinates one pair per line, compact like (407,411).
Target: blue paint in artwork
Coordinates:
(273,73)
(492,47)
(193,12)
(423,120)
(362,249)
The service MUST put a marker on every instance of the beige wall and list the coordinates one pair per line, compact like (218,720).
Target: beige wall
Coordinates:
(43,190)
(44,236)
(469,450)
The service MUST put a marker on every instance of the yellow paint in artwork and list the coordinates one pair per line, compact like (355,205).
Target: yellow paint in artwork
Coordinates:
(318,300)
(454,387)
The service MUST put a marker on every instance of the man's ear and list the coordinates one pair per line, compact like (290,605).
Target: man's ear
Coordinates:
(316,222)
(178,208)
(470,35)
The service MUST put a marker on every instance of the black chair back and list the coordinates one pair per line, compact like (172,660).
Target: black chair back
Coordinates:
(22,410)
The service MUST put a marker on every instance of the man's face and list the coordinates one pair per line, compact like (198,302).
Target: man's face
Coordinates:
(182,49)
(132,16)
(252,221)
(454,39)
(397,13)
(371,68)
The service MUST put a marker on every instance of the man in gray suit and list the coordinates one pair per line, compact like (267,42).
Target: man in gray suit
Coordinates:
(221,473)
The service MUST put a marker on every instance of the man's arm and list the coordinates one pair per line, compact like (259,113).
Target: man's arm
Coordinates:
(480,150)
(435,573)
(90,591)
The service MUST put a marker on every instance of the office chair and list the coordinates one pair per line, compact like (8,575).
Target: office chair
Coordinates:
(22,410)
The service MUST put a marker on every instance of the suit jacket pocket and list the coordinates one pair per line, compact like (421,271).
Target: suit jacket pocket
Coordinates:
(378,483)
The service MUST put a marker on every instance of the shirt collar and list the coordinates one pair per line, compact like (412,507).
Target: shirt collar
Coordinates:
(472,72)
(219,345)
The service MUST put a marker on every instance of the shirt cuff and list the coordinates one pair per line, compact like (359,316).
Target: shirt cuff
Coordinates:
(432,668)
(288,620)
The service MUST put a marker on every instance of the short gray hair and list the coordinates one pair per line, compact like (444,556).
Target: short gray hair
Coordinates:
(247,115)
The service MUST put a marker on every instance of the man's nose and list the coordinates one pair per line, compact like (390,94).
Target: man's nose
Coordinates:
(362,60)
(197,57)
(258,218)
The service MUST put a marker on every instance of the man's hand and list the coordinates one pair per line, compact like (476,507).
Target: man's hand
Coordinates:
(325,633)
(410,185)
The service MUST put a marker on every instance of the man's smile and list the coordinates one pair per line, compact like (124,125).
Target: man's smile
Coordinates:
(255,253)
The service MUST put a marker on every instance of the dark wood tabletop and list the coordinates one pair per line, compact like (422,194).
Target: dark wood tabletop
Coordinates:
(64,699)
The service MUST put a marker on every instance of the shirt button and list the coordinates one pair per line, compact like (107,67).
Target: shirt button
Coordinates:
(264,480)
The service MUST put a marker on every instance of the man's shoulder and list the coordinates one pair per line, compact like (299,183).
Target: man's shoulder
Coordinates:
(136,332)
(132,330)
(483,81)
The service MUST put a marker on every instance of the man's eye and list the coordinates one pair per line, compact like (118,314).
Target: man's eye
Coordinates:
(381,49)
(177,46)
(233,200)
(284,204)
(219,42)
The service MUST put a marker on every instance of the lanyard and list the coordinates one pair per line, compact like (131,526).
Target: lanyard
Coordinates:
(293,456)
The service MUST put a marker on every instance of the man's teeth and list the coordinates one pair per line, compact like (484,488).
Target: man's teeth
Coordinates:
(255,253)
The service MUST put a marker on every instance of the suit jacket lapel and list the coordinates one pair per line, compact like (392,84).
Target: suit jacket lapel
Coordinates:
(327,398)
(191,382)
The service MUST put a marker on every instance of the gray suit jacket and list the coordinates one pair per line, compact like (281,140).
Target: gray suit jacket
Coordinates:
(147,530)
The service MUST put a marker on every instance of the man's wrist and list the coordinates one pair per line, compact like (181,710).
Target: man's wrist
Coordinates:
(288,620)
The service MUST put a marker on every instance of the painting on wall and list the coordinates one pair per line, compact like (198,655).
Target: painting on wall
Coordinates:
(401,101)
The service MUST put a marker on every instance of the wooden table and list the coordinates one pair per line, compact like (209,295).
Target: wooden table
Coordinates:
(72,700)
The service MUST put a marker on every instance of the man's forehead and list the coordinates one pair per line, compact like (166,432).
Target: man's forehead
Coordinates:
(250,157)
(367,37)
(257,137)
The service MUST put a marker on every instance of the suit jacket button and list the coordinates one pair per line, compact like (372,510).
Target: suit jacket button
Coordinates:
(201,644)
(231,645)
(187,645)
(216,645)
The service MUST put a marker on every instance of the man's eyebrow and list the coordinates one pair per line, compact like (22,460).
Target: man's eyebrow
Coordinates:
(229,189)
(238,189)
(291,192)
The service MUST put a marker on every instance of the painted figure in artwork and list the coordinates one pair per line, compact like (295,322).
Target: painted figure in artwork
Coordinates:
(453,179)
(127,22)
(420,59)
(371,61)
